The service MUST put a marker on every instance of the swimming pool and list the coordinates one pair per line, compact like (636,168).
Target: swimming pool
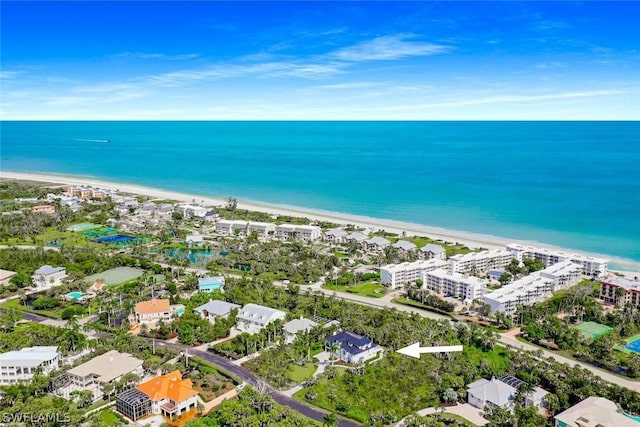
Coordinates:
(634,346)
(75,295)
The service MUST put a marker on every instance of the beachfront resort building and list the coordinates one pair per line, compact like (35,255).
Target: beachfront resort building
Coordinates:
(620,291)
(305,233)
(405,247)
(395,275)
(500,393)
(594,411)
(450,284)
(479,263)
(211,283)
(46,277)
(95,374)
(253,317)
(563,274)
(21,366)
(356,237)
(263,230)
(83,192)
(353,348)
(591,266)
(150,312)
(168,395)
(194,211)
(432,251)
(228,227)
(216,309)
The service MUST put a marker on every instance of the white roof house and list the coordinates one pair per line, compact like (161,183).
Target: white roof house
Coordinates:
(356,237)
(17,366)
(293,327)
(5,276)
(500,392)
(404,245)
(99,371)
(46,276)
(335,235)
(431,250)
(215,308)
(376,243)
(594,412)
(253,317)
(194,239)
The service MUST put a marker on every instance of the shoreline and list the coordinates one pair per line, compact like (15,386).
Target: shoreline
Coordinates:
(472,240)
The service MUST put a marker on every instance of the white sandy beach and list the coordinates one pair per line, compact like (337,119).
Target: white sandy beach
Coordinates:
(471,240)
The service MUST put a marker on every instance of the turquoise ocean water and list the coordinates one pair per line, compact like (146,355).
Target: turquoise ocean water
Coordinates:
(571,184)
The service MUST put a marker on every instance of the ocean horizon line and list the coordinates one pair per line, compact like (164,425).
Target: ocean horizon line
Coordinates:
(468,238)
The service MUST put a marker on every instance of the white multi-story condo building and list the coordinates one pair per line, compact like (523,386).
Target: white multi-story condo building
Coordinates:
(444,282)
(526,291)
(613,287)
(228,227)
(46,276)
(19,366)
(300,232)
(408,272)
(591,266)
(563,274)
(479,263)
(262,229)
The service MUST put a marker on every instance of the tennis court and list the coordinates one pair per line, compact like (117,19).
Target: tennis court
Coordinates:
(114,238)
(593,330)
(115,275)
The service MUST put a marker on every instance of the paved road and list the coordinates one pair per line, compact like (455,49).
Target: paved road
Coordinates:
(510,340)
(245,375)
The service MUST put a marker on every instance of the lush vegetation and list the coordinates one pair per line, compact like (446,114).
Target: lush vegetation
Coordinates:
(427,298)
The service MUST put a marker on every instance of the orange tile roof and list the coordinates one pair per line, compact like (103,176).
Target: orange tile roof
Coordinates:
(153,306)
(170,386)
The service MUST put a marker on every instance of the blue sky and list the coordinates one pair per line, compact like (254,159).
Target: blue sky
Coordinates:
(320,60)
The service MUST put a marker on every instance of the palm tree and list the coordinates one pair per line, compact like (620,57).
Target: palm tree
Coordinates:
(334,347)
(330,420)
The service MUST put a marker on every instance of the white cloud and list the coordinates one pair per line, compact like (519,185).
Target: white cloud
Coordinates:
(9,74)
(386,48)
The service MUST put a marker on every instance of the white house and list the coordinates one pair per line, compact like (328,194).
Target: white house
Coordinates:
(335,235)
(432,251)
(253,317)
(294,327)
(405,247)
(46,276)
(215,309)
(93,375)
(354,348)
(18,366)
(501,392)
(375,244)
(356,237)
(194,239)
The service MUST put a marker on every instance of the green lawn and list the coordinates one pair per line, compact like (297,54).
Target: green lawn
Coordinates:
(301,373)
(367,289)
(108,417)
(17,305)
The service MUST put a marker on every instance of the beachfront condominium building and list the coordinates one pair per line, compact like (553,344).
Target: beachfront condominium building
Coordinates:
(395,275)
(563,274)
(168,395)
(95,374)
(591,266)
(301,232)
(620,291)
(594,412)
(446,283)
(405,247)
(479,263)
(227,227)
(46,277)
(21,366)
(253,317)
(261,229)
(375,244)
(526,291)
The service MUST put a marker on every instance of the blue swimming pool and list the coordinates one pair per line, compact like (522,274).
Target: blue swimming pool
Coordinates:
(634,346)
(75,295)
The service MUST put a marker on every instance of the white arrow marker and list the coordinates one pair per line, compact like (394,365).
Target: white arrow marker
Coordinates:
(414,350)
